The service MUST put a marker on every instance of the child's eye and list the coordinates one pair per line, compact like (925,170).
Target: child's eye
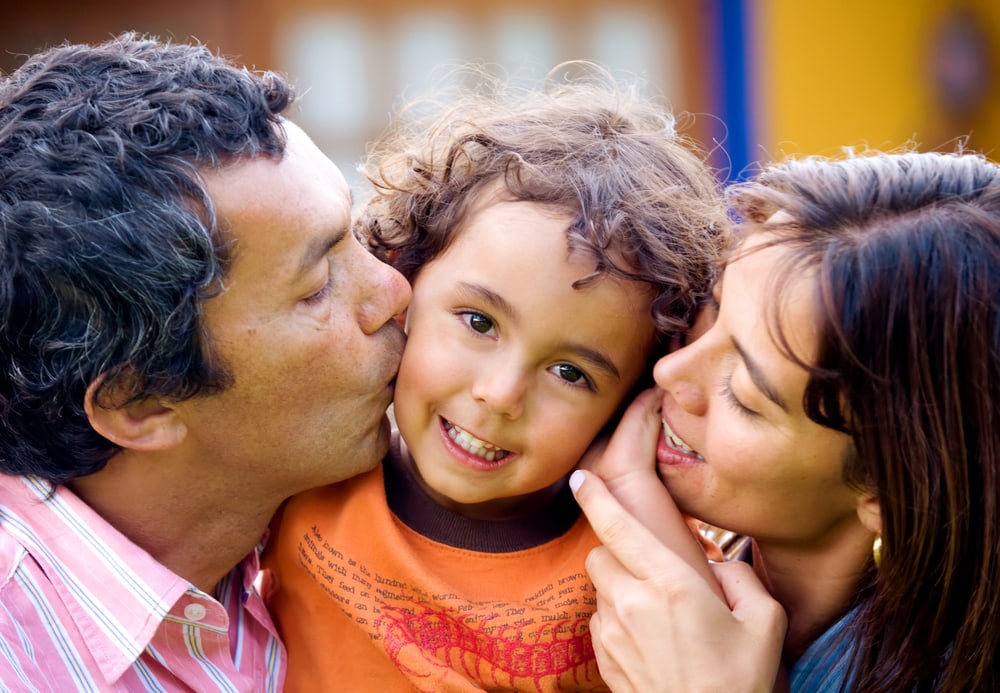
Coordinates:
(478,322)
(571,375)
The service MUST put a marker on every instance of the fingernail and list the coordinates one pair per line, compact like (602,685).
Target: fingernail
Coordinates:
(576,480)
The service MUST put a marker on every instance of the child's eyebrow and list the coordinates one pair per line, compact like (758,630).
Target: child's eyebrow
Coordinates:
(502,305)
(496,301)
(594,357)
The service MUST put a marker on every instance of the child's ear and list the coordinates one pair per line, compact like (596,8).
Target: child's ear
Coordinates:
(401,319)
(148,424)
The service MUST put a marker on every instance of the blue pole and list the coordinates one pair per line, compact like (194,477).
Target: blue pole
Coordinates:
(734,80)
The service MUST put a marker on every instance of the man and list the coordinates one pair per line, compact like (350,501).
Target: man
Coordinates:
(189,334)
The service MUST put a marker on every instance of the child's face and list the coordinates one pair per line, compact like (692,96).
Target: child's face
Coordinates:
(509,372)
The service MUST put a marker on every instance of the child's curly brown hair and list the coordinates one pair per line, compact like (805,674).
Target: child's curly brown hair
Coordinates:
(589,144)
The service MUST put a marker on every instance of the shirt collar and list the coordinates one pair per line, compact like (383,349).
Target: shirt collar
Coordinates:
(115,591)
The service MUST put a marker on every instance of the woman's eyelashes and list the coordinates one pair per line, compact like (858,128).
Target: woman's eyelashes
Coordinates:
(734,402)
(714,303)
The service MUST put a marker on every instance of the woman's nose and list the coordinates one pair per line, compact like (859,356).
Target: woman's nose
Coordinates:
(679,374)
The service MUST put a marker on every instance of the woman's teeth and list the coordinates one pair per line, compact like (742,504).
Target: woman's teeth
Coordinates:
(469,443)
(677,443)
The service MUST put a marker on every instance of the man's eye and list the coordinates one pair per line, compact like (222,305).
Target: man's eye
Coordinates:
(321,294)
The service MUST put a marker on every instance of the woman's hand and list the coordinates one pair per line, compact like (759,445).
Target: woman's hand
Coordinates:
(627,465)
(659,626)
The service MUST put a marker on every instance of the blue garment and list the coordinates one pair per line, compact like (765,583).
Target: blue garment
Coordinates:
(826,666)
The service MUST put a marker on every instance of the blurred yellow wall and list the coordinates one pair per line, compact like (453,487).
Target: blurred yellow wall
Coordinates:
(834,73)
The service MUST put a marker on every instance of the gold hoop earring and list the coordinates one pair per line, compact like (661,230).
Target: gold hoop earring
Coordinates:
(877,550)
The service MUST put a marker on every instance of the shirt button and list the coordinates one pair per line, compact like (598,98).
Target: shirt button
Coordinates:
(194,612)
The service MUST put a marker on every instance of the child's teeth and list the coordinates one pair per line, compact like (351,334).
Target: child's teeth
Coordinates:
(477,447)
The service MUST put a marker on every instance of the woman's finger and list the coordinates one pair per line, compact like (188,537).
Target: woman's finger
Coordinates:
(750,601)
(638,550)
(632,447)
(656,616)
(627,468)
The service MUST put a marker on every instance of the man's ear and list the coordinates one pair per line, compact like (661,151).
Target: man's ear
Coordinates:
(148,424)
(870,513)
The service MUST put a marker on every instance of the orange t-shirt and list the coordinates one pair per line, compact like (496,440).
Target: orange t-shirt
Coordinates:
(365,602)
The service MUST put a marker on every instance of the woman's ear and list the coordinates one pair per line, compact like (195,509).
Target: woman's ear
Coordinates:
(870,513)
(148,424)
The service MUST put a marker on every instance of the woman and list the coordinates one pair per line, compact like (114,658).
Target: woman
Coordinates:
(843,412)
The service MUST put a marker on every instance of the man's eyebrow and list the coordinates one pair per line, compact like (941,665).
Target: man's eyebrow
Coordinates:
(317,249)
(759,378)
(502,305)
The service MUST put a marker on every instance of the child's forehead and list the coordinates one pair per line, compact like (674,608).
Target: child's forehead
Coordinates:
(498,190)
(495,200)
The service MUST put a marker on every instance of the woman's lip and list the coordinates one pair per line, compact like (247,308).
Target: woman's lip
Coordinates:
(672,450)
(675,441)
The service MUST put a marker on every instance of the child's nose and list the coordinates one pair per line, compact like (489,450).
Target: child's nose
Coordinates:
(501,388)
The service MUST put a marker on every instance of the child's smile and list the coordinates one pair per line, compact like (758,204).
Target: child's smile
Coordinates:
(476,447)
(512,366)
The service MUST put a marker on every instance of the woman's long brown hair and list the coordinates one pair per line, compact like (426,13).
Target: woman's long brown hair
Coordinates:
(907,250)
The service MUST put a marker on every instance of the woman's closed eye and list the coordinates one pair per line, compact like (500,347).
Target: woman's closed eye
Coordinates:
(733,400)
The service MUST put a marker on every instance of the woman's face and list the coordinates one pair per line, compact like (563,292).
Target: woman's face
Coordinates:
(738,450)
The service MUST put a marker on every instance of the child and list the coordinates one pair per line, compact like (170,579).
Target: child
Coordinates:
(556,241)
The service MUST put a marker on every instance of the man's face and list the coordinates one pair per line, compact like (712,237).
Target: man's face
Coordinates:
(305,326)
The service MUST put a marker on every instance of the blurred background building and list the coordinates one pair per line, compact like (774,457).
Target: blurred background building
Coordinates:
(761,78)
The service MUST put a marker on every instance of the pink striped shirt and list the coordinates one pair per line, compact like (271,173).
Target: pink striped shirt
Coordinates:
(82,608)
